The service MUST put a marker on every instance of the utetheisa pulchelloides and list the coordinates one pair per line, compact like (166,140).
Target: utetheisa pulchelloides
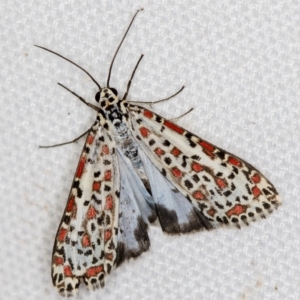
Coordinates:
(137,167)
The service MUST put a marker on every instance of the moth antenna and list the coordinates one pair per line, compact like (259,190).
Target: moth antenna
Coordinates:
(81,68)
(112,62)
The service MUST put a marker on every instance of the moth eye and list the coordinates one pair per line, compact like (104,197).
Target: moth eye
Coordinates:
(97,96)
(114,91)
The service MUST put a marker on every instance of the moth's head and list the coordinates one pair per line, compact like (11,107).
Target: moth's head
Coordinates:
(107,96)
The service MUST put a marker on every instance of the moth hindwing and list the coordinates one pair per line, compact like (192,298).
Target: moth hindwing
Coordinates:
(137,167)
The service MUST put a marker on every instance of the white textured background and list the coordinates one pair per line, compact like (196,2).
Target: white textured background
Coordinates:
(240,63)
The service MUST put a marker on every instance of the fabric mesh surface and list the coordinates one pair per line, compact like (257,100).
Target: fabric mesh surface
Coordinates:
(240,64)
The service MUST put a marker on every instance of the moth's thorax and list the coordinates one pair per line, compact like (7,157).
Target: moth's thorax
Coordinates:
(112,112)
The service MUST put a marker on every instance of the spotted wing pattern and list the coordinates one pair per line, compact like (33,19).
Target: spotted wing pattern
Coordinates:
(85,244)
(223,187)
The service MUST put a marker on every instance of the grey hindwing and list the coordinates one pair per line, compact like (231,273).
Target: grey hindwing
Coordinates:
(134,213)
(175,213)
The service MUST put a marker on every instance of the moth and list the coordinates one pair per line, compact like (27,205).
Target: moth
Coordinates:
(137,167)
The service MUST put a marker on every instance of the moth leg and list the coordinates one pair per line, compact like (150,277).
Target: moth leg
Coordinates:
(130,80)
(184,114)
(96,108)
(66,143)
(158,101)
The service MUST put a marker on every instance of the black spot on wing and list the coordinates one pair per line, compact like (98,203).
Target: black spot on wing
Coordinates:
(107,188)
(69,288)
(168,160)
(151,142)
(231,176)
(79,192)
(158,119)
(188,184)
(106,162)
(66,219)
(266,192)
(166,143)
(221,154)
(95,260)
(227,193)
(192,144)
(76,184)
(195,178)
(195,157)
(184,158)
(235,170)
(188,135)
(246,175)
(54,279)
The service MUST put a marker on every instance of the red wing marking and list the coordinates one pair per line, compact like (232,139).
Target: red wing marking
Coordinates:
(176,172)
(107,235)
(96,185)
(207,146)
(107,175)
(94,271)
(109,204)
(198,195)
(91,213)
(211,211)
(196,167)
(174,127)
(80,167)
(62,234)
(68,271)
(256,191)
(144,132)
(236,210)
(90,139)
(148,114)
(109,256)
(176,152)
(105,150)
(86,241)
(234,161)
(159,152)
(58,260)
(71,204)
(256,178)
(221,183)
